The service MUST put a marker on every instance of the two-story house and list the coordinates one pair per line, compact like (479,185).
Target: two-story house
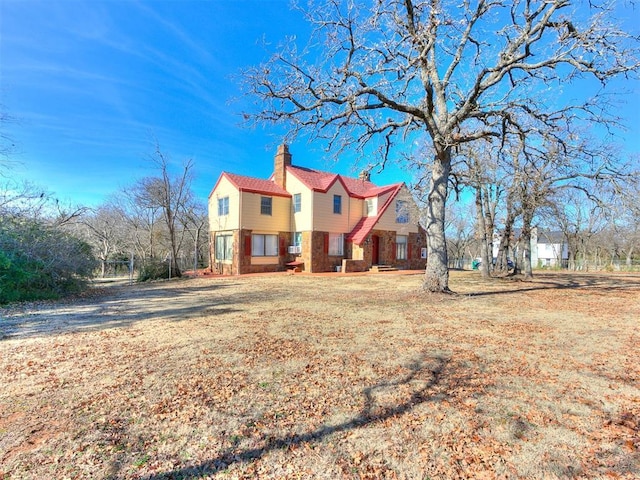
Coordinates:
(314,219)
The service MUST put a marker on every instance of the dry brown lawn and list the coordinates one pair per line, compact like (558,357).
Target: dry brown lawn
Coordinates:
(326,377)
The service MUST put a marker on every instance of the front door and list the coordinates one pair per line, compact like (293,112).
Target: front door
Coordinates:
(375,249)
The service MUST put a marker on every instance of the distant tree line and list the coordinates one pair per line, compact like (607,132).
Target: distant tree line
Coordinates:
(592,200)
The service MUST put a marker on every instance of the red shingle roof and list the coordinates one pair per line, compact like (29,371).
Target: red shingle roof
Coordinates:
(254,185)
(366,224)
(322,181)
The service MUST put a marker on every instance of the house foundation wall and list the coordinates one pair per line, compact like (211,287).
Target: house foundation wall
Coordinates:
(350,265)
(321,261)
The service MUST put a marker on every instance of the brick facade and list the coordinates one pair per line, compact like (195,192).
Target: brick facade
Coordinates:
(314,253)
(242,259)
(281,162)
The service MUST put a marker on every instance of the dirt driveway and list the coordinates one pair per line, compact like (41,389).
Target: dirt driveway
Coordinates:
(111,304)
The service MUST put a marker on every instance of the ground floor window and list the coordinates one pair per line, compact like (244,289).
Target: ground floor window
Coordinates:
(336,244)
(224,248)
(264,245)
(401,247)
(297,239)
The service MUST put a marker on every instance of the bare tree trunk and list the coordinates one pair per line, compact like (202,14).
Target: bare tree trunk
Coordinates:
(436,278)
(503,249)
(526,247)
(490,205)
(482,235)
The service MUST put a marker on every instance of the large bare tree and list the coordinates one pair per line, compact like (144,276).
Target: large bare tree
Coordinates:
(421,77)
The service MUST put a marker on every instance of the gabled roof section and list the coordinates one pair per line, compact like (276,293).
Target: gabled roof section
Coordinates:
(366,224)
(322,181)
(253,185)
(552,237)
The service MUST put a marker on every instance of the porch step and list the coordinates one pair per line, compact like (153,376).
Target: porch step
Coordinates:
(382,268)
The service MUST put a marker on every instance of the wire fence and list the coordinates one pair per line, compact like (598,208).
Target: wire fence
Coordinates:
(131,267)
(467,263)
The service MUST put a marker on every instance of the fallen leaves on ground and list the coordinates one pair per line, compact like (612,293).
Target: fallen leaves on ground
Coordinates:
(328,377)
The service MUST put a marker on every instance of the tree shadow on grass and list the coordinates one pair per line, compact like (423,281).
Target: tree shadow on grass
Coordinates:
(370,413)
(120,306)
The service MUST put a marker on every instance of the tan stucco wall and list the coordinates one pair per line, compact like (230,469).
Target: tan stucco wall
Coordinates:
(301,221)
(323,217)
(388,219)
(252,219)
(226,222)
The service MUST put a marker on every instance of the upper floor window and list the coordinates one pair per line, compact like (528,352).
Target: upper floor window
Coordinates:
(223,206)
(265,205)
(370,207)
(337,204)
(402,211)
(297,202)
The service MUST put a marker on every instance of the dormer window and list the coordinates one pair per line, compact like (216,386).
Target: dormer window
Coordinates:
(370,207)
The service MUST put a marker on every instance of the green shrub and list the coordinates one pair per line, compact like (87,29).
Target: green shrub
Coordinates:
(153,270)
(39,261)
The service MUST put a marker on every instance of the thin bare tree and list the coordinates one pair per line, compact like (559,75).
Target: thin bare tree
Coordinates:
(171,194)
(105,229)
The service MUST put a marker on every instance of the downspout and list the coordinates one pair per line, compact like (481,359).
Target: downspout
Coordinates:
(313,229)
(344,239)
(240,230)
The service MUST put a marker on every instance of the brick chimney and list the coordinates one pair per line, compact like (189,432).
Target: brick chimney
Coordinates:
(365,176)
(282,160)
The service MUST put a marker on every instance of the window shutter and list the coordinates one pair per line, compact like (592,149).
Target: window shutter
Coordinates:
(283,246)
(409,248)
(247,245)
(394,249)
(326,243)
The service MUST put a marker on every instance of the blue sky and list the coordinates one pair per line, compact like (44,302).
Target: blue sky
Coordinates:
(91,84)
